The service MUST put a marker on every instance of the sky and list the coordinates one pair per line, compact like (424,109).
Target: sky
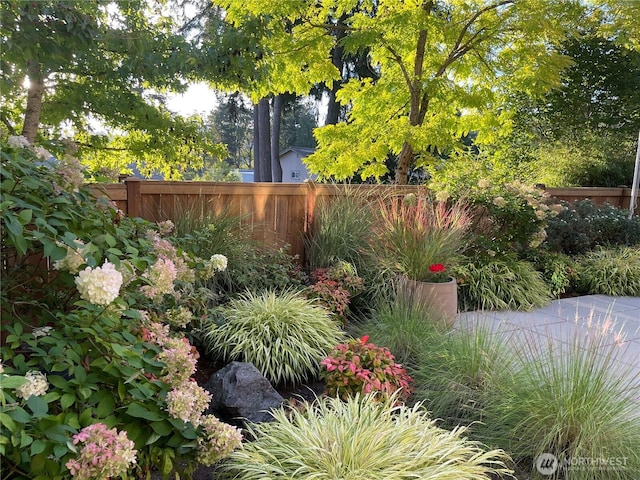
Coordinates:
(198,99)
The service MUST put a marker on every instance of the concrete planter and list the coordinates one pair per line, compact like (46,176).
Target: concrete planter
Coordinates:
(439,299)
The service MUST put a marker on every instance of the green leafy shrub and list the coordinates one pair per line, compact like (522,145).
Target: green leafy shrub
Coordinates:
(359,367)
(251,266)
(500,283)
(509,216)
(83,295)
(284,335)
(356,439)
(576,399)
(559,270)
(582,226)
(613,271)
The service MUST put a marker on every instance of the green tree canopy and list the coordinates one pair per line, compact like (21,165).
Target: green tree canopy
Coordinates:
(444,68)
(584,132)
(100,66)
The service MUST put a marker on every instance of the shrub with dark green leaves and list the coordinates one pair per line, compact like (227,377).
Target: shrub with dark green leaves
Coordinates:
(84,296)
(360,438)
(583,226)
(283,334)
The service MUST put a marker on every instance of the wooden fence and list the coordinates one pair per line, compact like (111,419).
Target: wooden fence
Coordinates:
(275,213)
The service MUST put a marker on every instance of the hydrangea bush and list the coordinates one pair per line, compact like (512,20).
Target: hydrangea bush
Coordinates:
(96,375)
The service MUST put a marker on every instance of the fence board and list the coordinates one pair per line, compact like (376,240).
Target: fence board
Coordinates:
(276,213)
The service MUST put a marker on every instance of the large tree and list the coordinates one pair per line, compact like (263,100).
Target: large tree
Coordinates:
(443,66)
(100,65)
(583,133)
(231,123)
(264,61)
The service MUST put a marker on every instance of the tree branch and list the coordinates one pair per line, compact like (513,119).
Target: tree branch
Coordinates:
(459,48)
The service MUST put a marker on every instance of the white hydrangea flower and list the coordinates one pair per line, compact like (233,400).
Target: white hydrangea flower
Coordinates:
(1,368)
(483,183)
(166,228)
(36,384)
(42,153)
(18,141)
(499,202)
(41,331)
(219,262)
(74,258)
(100,285)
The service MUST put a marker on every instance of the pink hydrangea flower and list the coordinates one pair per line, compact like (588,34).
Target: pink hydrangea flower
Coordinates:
(105,454)
(218,440)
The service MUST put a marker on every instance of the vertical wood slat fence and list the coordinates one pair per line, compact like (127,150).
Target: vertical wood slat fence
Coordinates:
(275,213)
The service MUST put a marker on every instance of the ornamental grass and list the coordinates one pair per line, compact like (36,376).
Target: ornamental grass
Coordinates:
(613,271)
(361,438)
(415,233)
(500,283)
(576,398)
(283,334)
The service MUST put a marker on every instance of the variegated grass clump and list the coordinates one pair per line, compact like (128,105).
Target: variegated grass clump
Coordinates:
(361,438)
(610,272)
(576,399)
(501,283)
(283,334)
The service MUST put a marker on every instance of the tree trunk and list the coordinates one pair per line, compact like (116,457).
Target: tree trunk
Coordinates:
(257,171)
(337,58)
(404,162)
(276,168)
(34,101)
(264,139)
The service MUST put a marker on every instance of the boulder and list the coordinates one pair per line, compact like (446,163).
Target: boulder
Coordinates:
(240,393)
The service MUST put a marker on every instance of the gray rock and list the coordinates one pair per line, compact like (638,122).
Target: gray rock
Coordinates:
(241,393)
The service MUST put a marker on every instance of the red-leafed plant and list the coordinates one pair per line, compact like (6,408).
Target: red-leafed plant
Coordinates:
(361,367)
(335,287)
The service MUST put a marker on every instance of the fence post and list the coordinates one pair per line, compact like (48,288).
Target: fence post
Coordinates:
(310,210)
(134,197)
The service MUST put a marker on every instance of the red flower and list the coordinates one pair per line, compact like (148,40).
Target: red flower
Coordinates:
(364,339)
(437,268)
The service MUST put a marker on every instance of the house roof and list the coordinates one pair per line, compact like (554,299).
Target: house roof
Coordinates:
(303,151)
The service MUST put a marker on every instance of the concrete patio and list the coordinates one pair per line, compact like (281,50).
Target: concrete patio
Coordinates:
(616,319)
